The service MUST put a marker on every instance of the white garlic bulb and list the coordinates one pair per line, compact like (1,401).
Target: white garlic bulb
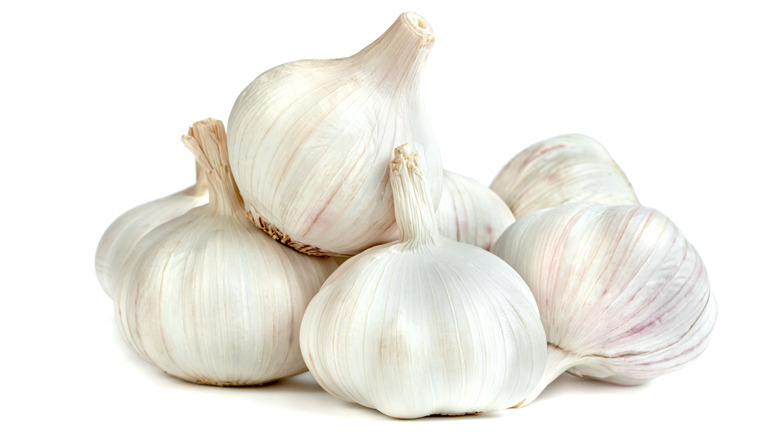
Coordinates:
(623,296)
(310,141)
(469,212)
(208,297)
(426,325)
(123,234)
(568,168)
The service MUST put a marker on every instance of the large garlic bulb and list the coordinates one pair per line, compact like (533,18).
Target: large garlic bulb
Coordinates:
(469,212)
(623,296)
(123,234)
(309,142)
(426,325)
(568,168)
(208,297)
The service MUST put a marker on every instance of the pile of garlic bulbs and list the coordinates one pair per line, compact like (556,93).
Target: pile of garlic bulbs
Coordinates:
(323,234)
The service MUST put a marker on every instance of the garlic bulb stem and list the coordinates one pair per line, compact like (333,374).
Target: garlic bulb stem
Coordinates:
(208,142)
(558,361)
(414,210)
(400,52)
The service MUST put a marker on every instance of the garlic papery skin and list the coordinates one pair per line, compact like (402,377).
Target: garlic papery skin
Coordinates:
(209,298)
(623,296)
(123,234)
(425,325)
(310,140)
(568,168)
(470,212)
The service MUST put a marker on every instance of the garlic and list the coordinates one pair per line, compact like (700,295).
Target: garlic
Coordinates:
(469,212)
(209,298)
(568,168)
(622,294)
(310,140)
(340,260)
(426,325)
(123,234)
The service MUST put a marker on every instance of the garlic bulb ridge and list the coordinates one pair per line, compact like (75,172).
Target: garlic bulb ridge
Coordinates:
(209,298)
(424,325)
(123,234)
(623,296)
(309,142)
(567,168)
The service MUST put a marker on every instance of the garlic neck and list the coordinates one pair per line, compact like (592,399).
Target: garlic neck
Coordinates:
(558,361)
(224,196)
(207,140)
(399,55)
(414,212)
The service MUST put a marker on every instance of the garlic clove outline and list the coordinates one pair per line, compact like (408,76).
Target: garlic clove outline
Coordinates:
(567,168)
(123,234)
(470,212)
(623,296)
(425,325)
(309,142)
(209,298)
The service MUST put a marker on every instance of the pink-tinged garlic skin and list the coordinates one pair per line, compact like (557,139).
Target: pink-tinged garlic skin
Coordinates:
(567,168)
(309,142)
(623,296)
(469,212)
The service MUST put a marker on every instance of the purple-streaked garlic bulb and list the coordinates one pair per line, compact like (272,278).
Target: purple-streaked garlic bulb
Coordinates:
(568,168)
(623,296)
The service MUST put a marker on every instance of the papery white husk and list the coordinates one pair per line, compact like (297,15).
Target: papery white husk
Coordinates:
(123,234)
(209,298)
(310,142)
(470,212)
(623,296)
(567,168)
(426,325)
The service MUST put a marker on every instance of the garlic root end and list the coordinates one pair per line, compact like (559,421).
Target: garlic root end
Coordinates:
(286,240)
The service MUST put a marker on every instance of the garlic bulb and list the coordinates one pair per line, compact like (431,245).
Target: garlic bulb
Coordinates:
(622,294)
(426,325)
(310,141)
(568,168)
(208,297)
(123,234)
(469,212)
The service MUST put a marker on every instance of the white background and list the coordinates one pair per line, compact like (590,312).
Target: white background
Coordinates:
(684,95)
